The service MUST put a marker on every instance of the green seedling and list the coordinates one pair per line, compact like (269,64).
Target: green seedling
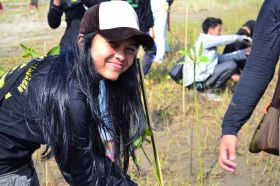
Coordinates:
(30,52)
(196,57)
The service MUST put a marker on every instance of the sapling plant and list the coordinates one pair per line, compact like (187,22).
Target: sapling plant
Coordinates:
(195,57)
(32,53)
(149,131)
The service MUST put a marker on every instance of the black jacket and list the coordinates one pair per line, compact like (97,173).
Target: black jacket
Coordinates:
(21,132)
(144,13)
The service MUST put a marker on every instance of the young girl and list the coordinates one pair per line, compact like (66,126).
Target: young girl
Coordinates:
(56,102)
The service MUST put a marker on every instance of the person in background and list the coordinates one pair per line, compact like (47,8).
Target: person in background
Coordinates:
(146,22)
(1,8)
(74,11)
(160,10)
(258,72)
(219,68)
(248,30)
(56,102)
(33,4)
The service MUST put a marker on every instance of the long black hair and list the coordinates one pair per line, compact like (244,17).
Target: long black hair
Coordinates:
(123,103)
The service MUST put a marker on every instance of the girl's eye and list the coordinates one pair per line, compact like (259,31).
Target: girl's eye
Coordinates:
(131,50)
(113,45)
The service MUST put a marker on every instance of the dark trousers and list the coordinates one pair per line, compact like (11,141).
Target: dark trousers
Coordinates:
(222,73)
(148,59)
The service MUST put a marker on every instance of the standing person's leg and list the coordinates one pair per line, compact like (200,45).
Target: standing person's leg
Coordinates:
(160,18)
(148,59)
(1,8)
(222,73)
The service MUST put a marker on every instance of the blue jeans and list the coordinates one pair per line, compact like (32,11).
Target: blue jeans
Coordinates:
(25,176)
(148,59)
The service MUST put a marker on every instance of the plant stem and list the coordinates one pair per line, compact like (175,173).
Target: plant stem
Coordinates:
(186,45)
(158,167)
(146,155)
(47,175)
(197,127)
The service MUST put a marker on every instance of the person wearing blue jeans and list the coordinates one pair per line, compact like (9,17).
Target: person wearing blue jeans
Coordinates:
(257,74)
(219,68)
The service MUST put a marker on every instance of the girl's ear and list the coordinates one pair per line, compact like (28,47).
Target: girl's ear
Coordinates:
(81,40)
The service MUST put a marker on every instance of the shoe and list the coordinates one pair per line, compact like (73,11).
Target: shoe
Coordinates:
(213,97)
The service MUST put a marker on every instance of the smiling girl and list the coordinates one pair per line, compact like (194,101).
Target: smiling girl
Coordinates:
(56,102)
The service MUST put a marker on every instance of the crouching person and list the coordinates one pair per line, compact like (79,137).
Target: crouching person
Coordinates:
(219,68)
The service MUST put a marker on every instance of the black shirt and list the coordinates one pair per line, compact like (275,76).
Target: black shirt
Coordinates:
(238,45)
(144,13)
(73,15)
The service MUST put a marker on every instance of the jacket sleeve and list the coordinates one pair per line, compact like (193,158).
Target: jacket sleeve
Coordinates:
(259,68)
(84,168)
(54,15)
(210,41)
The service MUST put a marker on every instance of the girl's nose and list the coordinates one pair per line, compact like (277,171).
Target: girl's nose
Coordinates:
(120,54)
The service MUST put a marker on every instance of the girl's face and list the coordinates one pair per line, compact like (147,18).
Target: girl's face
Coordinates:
(112,59)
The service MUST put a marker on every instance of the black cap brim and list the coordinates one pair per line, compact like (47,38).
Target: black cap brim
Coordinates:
(121,33)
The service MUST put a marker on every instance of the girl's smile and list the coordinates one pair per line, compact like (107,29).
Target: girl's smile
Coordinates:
(112,59)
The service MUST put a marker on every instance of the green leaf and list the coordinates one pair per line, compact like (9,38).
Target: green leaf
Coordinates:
(189,54)
(34,53)
(200,49)
(54,51)
(147,132)
(147,140)
(203,59)
(23,47)
(26,55)
(194,54)
(138,142)
(182,52)
(29,52)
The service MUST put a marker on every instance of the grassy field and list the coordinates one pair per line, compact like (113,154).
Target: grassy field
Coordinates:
(174,130)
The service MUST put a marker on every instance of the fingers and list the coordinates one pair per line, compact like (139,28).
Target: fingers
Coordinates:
(227,151)
(267,105)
